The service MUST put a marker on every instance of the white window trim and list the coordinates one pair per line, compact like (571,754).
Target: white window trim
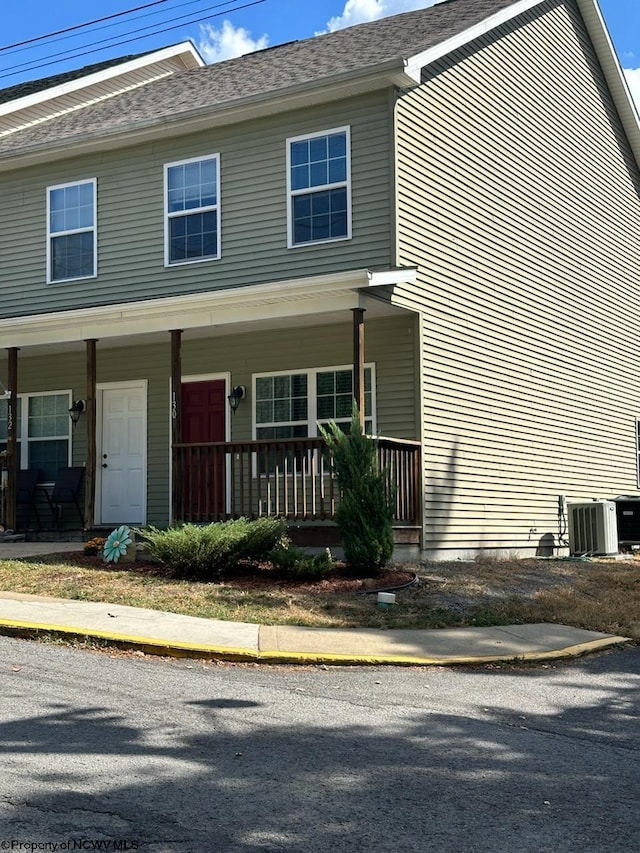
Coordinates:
(312,395)
(24,439)
(217,207)
(307,190)
(94,229)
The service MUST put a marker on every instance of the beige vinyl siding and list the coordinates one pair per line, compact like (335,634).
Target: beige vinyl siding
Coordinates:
(390,344)
(518,199)
(253,205)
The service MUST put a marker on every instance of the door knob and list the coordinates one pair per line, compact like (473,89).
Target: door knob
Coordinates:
(104,465)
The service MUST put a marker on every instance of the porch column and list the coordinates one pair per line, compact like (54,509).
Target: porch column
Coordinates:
(176,425)
(358,361)
(12,439)
(90,471)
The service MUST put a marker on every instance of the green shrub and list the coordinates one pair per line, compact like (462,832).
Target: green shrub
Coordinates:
(296,564)
(364,514)
(259,537)
(207,552)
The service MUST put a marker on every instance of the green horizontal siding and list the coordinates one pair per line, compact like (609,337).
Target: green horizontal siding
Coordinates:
(253,206)
(389,343)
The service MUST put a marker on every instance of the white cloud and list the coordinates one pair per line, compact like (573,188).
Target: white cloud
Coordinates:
(359,11)
(633,81)
(215,45)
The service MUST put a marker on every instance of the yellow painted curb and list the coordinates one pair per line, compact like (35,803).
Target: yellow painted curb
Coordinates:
(193,650)
(154,646)
(400,660)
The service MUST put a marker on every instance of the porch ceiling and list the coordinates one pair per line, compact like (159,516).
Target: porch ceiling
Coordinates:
(313,301)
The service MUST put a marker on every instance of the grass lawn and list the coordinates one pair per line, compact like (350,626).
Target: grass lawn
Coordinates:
(601,596)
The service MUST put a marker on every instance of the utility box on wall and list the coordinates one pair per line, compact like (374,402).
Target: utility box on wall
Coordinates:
(593,528)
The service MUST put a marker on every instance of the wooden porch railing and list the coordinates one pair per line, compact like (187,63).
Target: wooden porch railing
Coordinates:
(291,478)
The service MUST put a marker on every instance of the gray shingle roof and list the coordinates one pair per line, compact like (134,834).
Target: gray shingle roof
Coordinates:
(30,87)
(265,72)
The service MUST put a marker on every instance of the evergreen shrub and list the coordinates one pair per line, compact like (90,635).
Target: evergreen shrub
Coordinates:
(209,552)
(364,515)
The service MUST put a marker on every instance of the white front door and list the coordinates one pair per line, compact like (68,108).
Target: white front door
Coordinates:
(123,455)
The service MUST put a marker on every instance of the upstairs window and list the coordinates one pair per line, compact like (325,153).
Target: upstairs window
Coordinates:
(71,231)
(319,187)
(192,201)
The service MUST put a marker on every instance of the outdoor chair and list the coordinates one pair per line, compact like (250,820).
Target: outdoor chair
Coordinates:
(66,490)
(26,497)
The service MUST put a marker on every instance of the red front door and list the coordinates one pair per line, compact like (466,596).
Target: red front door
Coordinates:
(204,421)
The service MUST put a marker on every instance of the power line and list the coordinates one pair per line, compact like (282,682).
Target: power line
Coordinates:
(81,26)
(33,44)
(72,53)
(33,67)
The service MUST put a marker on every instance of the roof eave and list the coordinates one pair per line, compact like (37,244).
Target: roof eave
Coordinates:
(389,73)
(602,43)
(418,61)
(185,51)
(613,72)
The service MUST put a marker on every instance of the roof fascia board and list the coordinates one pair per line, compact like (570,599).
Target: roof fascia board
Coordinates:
(614,75)
(185,50)
(255,106)
(383,278)
(599,34)
(273,299)
(416,63)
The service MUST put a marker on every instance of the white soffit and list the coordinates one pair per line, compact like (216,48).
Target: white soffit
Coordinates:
(416,63)
(597,29)
(263,302)
(184,52)
(613,72)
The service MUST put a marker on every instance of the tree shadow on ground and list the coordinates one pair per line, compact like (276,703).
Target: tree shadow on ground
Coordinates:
(223,773)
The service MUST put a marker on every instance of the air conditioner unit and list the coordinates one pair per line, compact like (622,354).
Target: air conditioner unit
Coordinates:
(593,528)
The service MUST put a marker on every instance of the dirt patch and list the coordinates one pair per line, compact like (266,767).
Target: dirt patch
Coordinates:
(461,586)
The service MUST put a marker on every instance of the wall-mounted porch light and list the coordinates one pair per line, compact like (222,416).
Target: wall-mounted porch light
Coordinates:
(238,393)
(77,408)
(5,394)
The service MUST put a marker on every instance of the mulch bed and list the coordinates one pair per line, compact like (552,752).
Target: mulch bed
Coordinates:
(259,577)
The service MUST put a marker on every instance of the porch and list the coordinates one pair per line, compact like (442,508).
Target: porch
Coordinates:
(199,416)
(292,479)
(289,478)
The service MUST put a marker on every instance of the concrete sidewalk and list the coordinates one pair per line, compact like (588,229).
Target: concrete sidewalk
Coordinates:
(162,633)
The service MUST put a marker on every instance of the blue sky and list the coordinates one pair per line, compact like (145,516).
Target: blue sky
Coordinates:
(224,31)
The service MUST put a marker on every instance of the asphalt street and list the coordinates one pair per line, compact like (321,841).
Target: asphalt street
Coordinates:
(101,752)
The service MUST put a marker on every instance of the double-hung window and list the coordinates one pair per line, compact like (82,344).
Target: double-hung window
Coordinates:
(71,231)
(319,187)
(43,430)
(290,405)
(192,204)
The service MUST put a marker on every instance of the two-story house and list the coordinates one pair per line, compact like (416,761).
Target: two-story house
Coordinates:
(436,213)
